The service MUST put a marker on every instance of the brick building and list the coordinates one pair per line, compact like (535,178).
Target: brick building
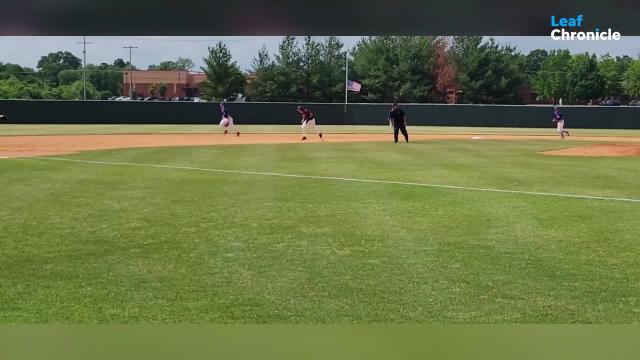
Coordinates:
(179,83)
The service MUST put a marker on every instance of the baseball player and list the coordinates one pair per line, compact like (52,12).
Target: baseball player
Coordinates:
(308,122)
(558,119)
(227,121)
(398,119)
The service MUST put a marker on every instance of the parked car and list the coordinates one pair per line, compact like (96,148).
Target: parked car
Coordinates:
(610,103)
(634,103)
(150,98)
(197,99)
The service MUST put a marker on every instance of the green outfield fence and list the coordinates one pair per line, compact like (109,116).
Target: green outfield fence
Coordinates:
(160,112)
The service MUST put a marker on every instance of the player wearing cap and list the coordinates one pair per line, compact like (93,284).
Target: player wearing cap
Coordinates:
(227,121)
(308,122)
(558,119)
(398,119)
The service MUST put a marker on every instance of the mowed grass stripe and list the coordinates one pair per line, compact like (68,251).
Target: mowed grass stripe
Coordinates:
(124,244)
(388,182)
(284,258)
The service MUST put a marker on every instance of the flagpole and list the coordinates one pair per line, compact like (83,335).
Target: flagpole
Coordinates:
(346,81)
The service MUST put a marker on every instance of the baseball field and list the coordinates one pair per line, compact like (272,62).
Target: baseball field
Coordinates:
(127,224)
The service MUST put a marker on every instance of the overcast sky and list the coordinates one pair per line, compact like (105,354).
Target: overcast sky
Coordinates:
(153,49)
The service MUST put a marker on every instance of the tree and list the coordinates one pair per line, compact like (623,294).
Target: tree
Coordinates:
(9,70)
(52,64)
(551,80)
(262,85)
(105,77)
(311,70)
(534,60)
(183,64)
(162,89)
(624,62)
(224,79)
(163,66)
(633,79)
(331,79)
(14,88)
(104,95)
(120,64)
(584,82)
(464,46)
(54,93)
(67,77)
(288,71)
(152,89)
(612,73)
(488,72)
(444,71)
(395,68)
(75,91)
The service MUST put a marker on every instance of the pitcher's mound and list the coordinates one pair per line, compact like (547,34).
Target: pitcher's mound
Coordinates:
(599,150)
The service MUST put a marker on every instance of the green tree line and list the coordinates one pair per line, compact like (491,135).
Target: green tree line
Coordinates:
(59,75)
(390,68)
(431,69)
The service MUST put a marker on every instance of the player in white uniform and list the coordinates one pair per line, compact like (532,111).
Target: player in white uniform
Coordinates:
(558,119)
(308,122)
(227,122)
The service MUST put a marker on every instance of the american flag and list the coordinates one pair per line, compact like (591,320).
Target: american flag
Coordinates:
(353,86)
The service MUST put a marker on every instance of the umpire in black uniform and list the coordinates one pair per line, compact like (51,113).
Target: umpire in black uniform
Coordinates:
(399,121)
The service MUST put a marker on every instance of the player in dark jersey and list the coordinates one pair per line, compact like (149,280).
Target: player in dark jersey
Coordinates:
(227,121)
(398,119)
(308,122)
(558,119)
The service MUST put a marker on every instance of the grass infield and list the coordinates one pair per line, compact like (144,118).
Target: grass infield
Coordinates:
(94,243)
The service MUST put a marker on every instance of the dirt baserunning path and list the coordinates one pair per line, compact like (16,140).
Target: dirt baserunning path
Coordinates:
(25,146)
(599,150)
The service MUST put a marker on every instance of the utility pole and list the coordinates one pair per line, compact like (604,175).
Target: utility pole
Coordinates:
(84,65)
(130,70)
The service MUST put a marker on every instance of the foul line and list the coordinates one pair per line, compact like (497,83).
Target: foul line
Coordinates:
(341,179)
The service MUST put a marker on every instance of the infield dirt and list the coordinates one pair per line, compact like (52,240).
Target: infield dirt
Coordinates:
(26,146)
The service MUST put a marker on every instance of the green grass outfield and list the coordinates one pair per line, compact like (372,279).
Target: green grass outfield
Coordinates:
(107,243)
